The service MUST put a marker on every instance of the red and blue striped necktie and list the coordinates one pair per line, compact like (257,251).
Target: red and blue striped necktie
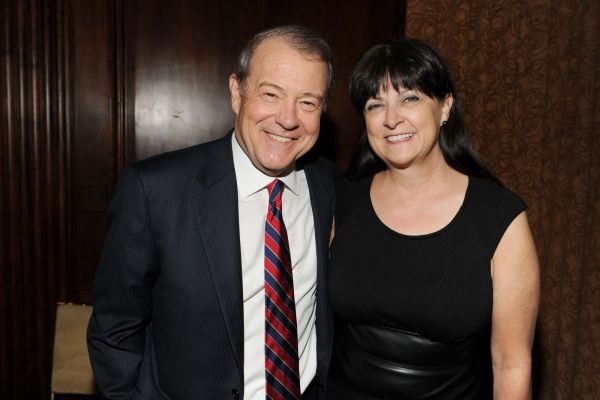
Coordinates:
(281,337)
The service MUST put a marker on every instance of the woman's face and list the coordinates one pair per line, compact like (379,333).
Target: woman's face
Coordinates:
(403,126)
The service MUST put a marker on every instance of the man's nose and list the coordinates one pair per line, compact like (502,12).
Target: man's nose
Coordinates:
(287,116)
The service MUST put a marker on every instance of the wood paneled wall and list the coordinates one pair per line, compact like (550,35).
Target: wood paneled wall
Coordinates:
(35,206)
(88,86)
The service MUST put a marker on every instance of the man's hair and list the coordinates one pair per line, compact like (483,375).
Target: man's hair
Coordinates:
(303,39)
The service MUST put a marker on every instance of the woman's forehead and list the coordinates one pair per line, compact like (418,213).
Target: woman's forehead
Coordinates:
(387,84)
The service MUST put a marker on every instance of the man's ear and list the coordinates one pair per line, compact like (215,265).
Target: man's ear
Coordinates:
(234,89)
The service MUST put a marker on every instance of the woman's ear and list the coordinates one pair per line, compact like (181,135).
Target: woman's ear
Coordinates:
(446,107)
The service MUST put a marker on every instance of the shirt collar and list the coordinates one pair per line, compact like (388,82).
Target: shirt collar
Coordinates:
(250,179)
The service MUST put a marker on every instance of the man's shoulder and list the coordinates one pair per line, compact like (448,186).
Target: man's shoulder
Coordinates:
(187,160)
(177,170)
(321,165)
(321,174)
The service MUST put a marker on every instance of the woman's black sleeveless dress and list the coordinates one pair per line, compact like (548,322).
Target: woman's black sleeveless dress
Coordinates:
(413,313)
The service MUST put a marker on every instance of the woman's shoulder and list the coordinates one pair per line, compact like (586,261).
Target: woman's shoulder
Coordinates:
(487,196)
(492,208)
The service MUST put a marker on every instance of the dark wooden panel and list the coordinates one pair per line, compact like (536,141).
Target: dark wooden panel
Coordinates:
(62,141)
(183,56)
(88,86)
(34,192)
(95,135)
(91,77)
(182,59)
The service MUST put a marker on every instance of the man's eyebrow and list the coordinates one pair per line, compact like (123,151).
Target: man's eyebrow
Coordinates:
(281,89)
(271,85)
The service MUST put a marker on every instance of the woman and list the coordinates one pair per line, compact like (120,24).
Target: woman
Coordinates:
(434,274)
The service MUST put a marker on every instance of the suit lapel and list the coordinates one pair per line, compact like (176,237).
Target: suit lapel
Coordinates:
(216,210)
(322,198)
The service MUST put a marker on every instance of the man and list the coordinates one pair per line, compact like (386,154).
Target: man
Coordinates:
(194,297)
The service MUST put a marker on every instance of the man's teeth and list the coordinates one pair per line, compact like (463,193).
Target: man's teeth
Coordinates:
(398,138)
(280,138)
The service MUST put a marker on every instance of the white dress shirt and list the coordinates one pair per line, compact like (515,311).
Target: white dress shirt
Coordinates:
(253,198)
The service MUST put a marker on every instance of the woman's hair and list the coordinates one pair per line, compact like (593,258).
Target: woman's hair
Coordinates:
(413,65)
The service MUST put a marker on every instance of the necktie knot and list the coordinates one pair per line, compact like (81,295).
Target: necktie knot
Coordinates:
(275,192)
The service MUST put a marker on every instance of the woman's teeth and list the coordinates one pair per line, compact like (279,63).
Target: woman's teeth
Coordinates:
(398,138)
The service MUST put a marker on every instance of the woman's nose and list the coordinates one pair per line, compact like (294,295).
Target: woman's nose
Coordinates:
(392,117)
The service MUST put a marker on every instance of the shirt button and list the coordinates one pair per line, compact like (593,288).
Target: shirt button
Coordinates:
(235,395)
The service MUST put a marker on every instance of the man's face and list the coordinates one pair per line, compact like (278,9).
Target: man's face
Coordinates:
(278,110)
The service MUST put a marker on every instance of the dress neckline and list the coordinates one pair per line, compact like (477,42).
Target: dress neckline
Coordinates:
(425,235)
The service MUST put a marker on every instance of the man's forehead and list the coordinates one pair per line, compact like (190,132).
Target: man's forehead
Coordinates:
(276,62)
(273,48)
(280,47)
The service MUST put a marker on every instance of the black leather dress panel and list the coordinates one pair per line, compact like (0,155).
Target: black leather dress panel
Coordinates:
(385,363)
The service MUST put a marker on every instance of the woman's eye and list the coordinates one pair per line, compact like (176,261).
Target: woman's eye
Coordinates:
(411,99)
(373,106)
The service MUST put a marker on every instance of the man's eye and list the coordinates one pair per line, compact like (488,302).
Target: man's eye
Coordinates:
(268,96)
(308,105)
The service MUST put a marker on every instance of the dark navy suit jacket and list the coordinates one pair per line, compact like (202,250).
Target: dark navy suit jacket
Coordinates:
(168,315)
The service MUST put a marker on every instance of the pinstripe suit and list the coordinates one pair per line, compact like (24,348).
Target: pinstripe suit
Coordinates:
(168,319)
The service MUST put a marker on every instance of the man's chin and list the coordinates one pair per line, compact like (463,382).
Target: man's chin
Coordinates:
(276,169)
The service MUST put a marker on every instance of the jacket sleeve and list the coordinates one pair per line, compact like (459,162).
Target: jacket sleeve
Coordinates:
(122,290)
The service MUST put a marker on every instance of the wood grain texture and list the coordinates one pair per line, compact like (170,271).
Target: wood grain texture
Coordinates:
(89,86)
(35,197)
(184,55)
